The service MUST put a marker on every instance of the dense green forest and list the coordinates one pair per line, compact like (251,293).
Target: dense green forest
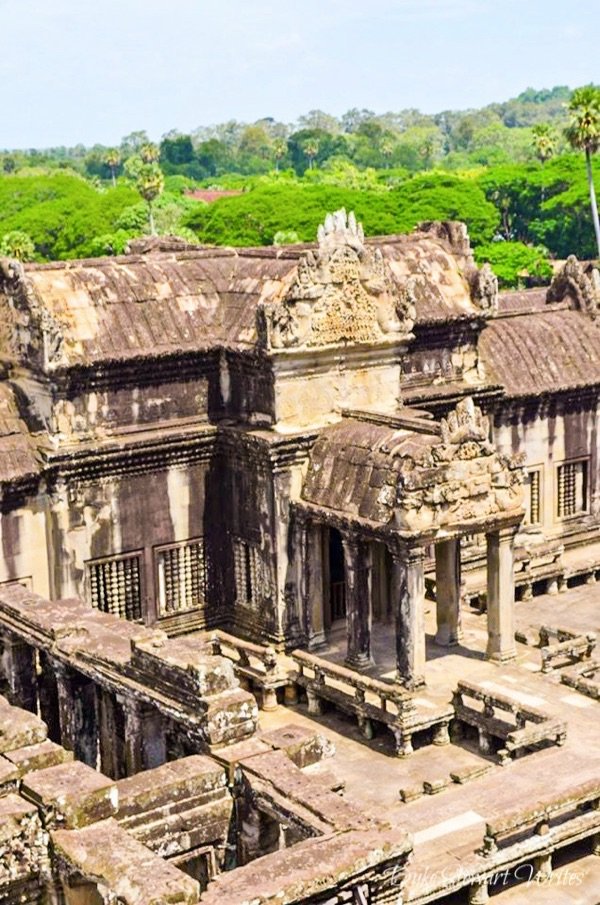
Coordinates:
(512,171)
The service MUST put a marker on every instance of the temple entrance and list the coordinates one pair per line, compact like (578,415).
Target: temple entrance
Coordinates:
(336,596)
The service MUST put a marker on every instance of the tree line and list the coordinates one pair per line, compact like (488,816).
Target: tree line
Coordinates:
(512,171)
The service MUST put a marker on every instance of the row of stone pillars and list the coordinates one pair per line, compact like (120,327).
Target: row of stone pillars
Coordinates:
(116,732)
(408,597)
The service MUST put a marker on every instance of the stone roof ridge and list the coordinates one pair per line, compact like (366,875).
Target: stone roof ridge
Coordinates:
(578,283)
(453,232)
(157,244)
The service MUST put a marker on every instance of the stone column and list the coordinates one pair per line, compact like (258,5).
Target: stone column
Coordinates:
(145,742)
(110,735)
(77,710)
(358,601)
(408,589)
(447,592)
(312,563)
(501,595)
(48,696)
(18,665)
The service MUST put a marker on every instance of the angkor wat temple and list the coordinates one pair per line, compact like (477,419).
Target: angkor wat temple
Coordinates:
(298,555)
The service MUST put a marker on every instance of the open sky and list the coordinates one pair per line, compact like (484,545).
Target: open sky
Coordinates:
(94,70)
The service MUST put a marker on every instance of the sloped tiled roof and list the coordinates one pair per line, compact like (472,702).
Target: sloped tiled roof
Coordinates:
(176,300)
(354,468)
(544,352)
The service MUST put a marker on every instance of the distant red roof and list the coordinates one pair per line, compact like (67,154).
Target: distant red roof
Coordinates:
(209,195)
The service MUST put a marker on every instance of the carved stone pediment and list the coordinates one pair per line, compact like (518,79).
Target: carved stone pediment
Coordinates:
(462,479)
(342,293)
(579,284)
(416,482)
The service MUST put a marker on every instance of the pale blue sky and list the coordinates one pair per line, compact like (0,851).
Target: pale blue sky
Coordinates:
(79,71)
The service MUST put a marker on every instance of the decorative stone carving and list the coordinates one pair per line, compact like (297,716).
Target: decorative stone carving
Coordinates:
(454,232)
(342,294)
(579,283)
(34,334)
(483,283)
(417,482)
(460,480)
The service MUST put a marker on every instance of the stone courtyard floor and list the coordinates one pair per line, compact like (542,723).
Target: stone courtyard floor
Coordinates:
(448,827)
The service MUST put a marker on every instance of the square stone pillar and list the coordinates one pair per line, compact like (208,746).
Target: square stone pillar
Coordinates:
(78,714)
(312,564)
(447,592)
(18,666)
(145,741)
(501,595)
(358,601)
(408,590)
(111,735)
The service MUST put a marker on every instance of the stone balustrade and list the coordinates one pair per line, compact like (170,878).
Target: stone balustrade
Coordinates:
(256,665)
(370,700)
(559,819)
(517,726)
(560,647)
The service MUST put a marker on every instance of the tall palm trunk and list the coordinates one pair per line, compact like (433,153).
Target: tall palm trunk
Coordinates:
(151,219)
(593,202)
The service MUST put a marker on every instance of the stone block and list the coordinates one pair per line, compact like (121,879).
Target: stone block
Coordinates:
(231,756)
(434,786)
(412,792)
(38,757)
(466,774)
(9,776)
(196,777)
(71,795)
(19,727)
(302,745)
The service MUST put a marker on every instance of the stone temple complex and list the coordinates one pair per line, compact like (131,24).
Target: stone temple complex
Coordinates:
(298,553)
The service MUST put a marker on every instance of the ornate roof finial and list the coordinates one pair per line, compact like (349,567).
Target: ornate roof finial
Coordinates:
(578,283)
(340,229)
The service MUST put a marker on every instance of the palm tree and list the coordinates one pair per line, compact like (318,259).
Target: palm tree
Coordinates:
(112,159)
(583,133)
(149,153)
(544,143)
(387,149)
(311,149)
(150,184)
(279,150)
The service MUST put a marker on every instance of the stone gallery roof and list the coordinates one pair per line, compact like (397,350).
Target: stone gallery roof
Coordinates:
(411,481)
(539,353)
(185,299)
(17,454)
